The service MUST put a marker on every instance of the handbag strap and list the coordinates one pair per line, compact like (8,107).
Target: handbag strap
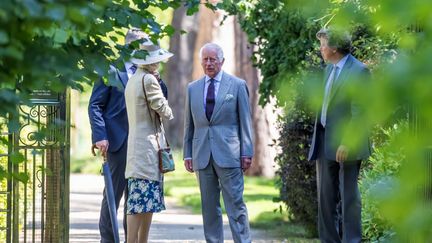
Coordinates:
(151,117)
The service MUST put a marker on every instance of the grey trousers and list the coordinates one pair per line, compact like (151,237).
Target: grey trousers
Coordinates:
(117,164)
(339,203)
(212,180)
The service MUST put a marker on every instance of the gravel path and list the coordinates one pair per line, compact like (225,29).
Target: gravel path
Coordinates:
(176,224)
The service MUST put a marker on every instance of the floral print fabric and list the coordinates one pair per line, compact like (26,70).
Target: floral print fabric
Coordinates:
(144,196)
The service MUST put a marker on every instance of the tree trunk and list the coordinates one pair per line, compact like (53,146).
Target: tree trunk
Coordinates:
(263,118)
(207,22)
(179,71)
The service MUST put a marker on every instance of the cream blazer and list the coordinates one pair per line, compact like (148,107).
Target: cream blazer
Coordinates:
(142,151)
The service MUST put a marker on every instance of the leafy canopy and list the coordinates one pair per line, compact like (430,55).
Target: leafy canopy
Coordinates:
(65,43)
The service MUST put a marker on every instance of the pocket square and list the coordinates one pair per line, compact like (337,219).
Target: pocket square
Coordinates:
(229,97)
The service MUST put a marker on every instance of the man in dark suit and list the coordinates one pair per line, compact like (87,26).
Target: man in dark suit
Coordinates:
(337,147)
(109,124)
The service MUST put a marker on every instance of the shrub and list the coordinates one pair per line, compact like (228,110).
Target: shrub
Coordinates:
(297,176)
(384,163)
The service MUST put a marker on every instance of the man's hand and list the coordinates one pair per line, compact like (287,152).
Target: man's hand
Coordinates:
(246,162)
(102,146)
(341,153)
(188,165)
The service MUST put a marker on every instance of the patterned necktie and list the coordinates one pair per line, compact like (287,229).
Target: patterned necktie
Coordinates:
(210,99)
(133,69)
(327,92)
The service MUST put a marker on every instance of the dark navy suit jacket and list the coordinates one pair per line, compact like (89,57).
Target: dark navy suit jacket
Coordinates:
(343,110)
(107,110)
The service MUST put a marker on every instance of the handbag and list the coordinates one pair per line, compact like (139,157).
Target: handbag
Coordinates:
(166,160)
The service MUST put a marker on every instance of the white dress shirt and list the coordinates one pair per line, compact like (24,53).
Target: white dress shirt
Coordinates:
(328,87)
(128,65)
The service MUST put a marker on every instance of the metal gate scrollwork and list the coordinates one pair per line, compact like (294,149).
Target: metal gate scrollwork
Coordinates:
(38,210)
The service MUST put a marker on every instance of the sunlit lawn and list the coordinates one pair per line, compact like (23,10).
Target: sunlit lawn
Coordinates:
(259,196)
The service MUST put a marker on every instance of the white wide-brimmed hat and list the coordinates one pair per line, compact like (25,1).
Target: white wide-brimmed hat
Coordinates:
(155,53)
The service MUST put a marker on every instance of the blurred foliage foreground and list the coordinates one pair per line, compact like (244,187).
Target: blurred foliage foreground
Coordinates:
(393,37)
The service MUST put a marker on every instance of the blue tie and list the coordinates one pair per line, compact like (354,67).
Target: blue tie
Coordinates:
(210,99)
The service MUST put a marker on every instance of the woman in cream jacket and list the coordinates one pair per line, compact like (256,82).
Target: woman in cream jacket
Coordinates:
(145,181)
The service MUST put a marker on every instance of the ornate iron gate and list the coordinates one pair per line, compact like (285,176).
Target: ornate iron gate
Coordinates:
(38,210)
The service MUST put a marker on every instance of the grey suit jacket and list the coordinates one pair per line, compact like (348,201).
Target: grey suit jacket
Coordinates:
(228,134)
(343,120)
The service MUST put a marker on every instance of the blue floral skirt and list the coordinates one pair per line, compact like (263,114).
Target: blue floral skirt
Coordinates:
(144,196)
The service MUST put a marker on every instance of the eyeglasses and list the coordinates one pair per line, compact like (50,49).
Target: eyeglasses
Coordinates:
(210,60)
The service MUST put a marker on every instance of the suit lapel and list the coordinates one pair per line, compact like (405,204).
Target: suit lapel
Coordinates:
(123,77)
(198,99)
(327,74)
(342,77)
(223,89)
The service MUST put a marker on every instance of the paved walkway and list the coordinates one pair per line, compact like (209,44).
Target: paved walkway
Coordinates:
(175,224)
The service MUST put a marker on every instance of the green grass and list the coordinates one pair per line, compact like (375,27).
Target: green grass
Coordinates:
(86,165)
(259,195)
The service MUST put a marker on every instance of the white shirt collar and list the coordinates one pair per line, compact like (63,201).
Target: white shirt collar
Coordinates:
(128,65)
(217,78)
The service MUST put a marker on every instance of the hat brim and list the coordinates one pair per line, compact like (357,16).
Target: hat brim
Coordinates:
(151,59)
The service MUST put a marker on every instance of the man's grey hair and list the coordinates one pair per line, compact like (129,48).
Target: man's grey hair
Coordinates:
(213,46)
(338,39)
(134,34)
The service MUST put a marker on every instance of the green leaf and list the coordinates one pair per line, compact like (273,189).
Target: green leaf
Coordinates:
(141,54)
(170,30)
(60,36)
(192,9)
(57,12)
(112,80)
(4,37)
(12,51)
(34,8)
(210,6)
(17,157)
(3,173)
(21,176)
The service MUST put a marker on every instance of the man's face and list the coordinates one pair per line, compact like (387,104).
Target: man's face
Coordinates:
(210,62)
(327,52)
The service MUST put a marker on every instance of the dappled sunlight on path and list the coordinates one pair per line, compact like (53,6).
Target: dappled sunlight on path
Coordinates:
(176,224)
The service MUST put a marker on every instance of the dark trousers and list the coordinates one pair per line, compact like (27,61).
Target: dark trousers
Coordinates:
(339,204)
(117,164)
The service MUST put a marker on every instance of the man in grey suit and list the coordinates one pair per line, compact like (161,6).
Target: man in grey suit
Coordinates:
(218,144)
(340,141)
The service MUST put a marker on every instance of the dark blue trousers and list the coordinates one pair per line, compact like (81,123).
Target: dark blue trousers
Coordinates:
(339,204)
(117,164)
